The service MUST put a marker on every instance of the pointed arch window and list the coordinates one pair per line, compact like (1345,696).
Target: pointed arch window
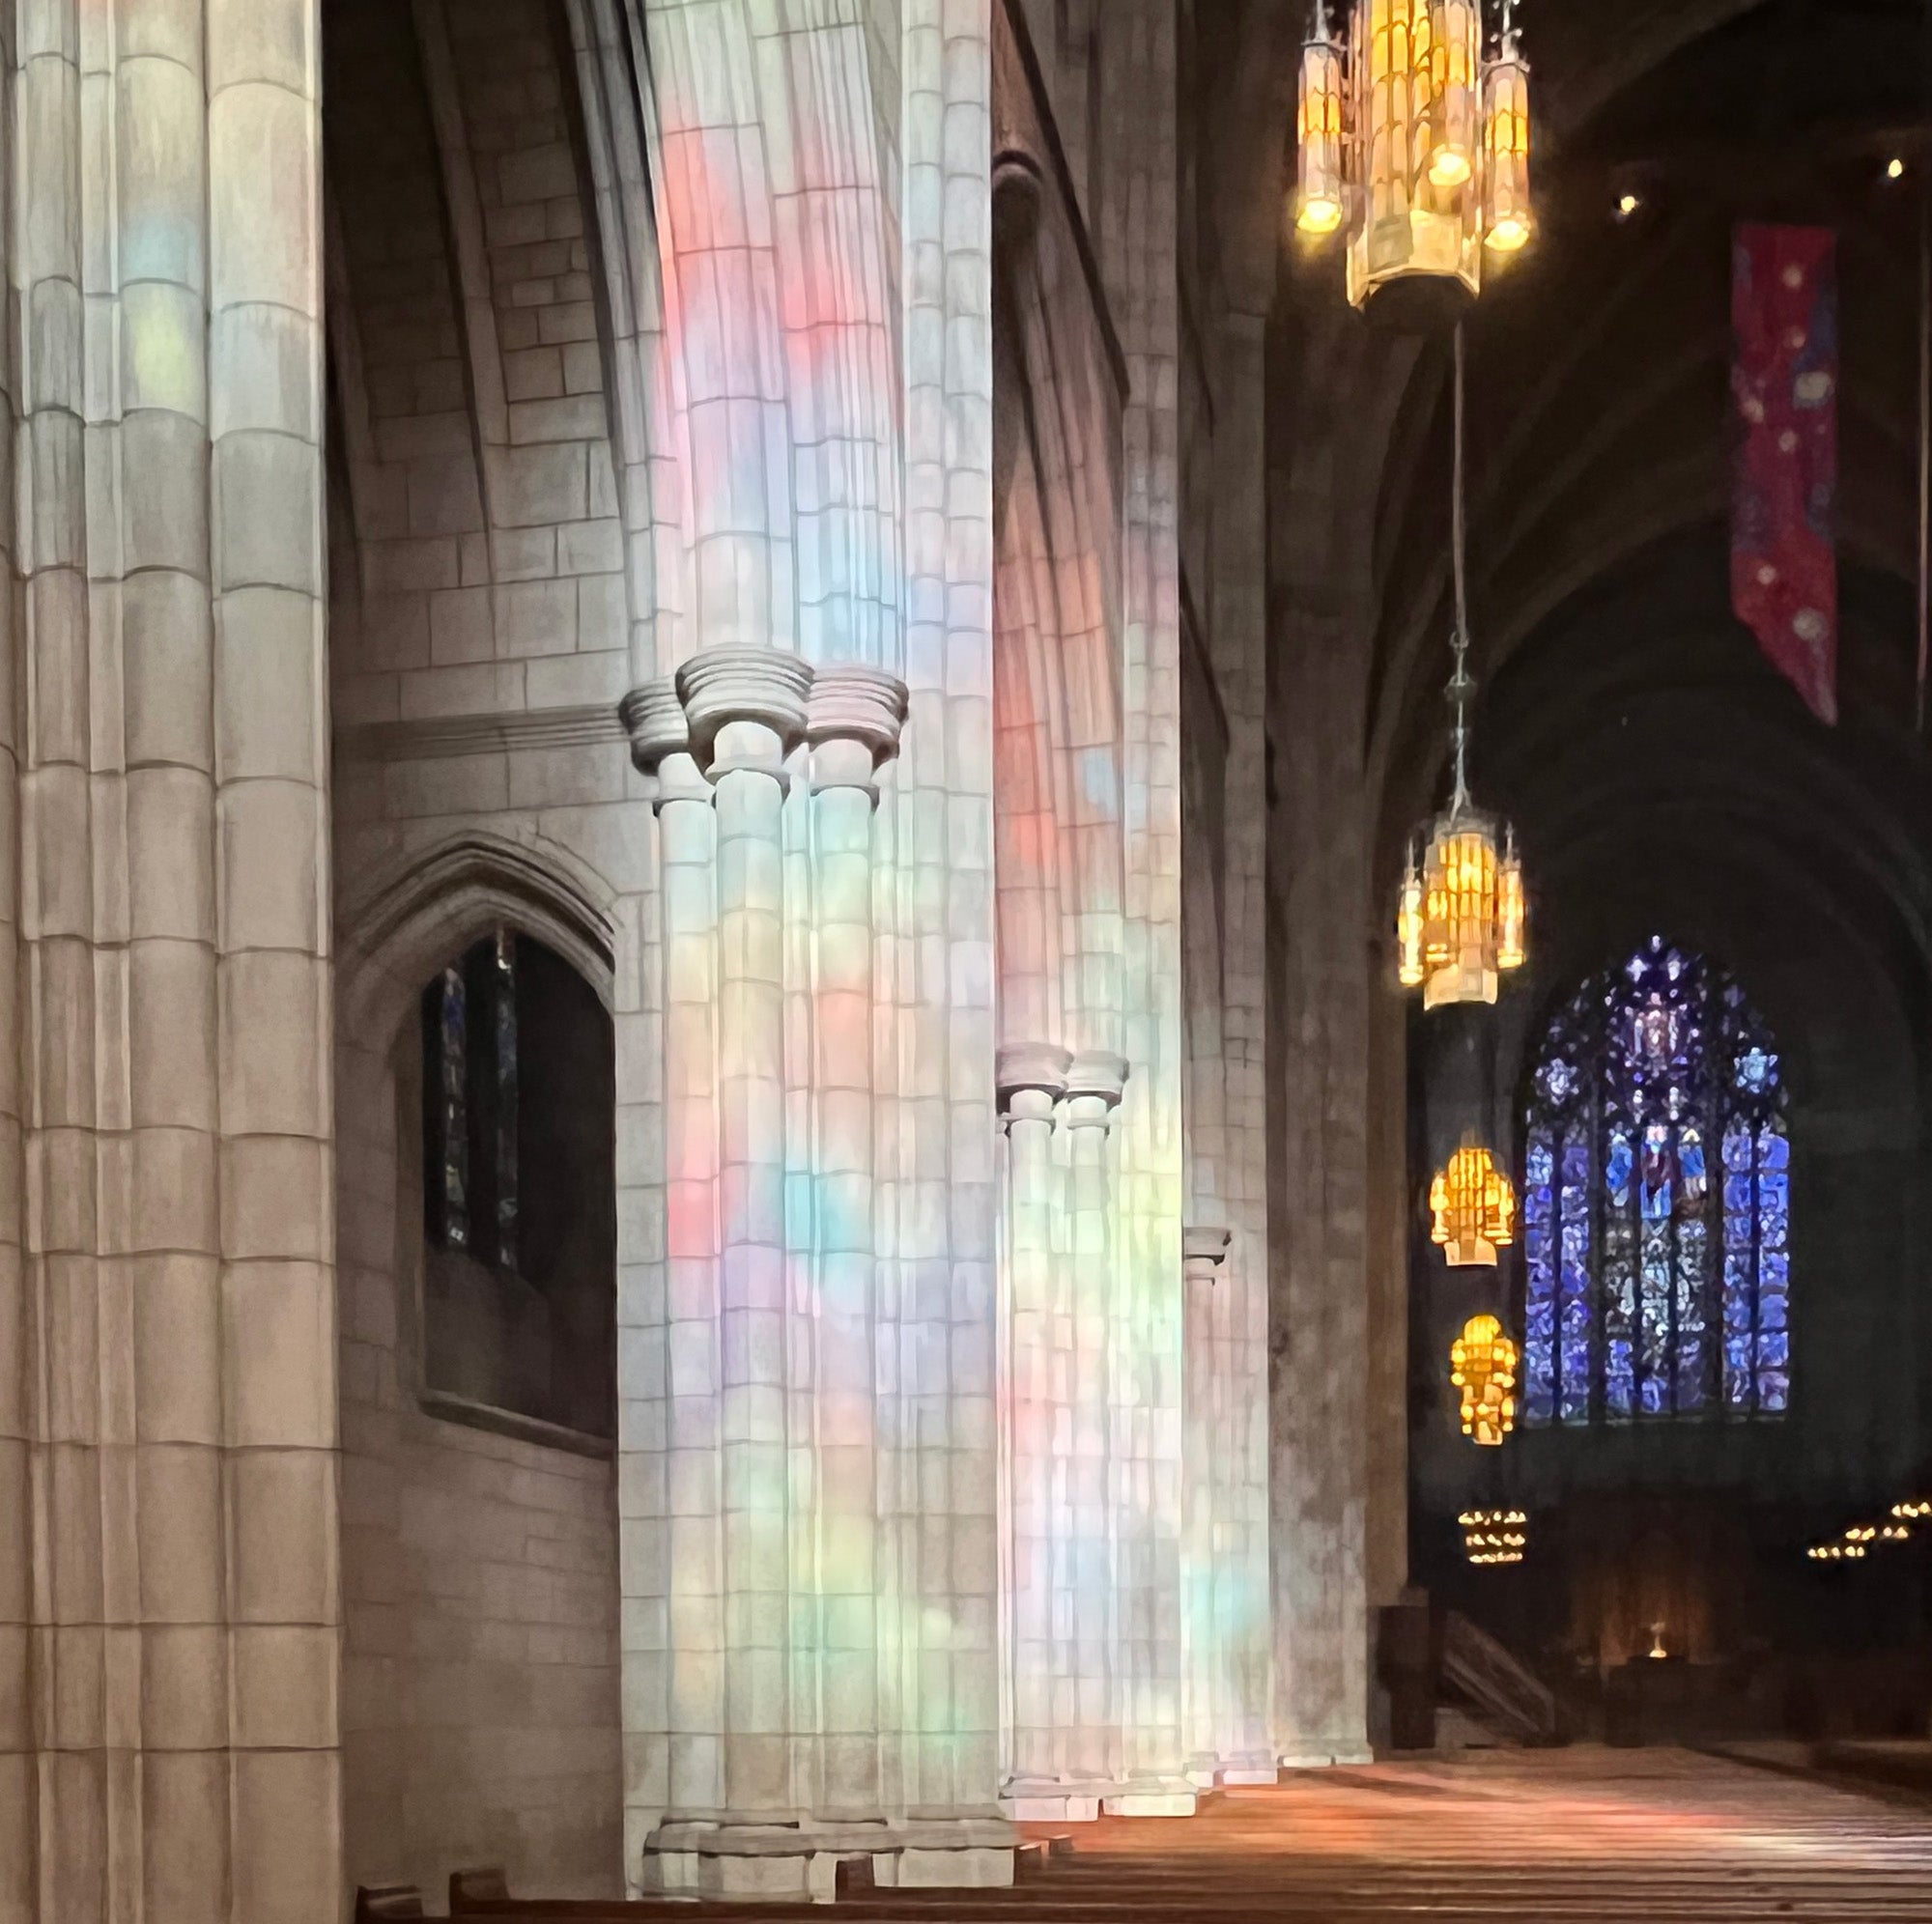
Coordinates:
(1656,1201)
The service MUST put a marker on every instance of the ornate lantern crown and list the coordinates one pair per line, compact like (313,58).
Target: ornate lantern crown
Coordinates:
(1472,1207)
(1417,146)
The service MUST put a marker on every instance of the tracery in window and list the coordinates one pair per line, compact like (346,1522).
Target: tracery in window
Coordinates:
(1656,1201)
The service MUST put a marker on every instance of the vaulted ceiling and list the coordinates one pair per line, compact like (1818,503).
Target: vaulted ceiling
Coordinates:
(1657,765)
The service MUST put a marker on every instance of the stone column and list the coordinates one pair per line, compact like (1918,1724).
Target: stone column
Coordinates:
(754,1658)
(1134,1397)
(1095,1487)
(1204,1458)
(18,1761)
(746,710)
(1226,1408)
(669,1365)
(182,1414)
(54,1820)
(1034,1764)
(274,979)
(1239,637)
(853,725)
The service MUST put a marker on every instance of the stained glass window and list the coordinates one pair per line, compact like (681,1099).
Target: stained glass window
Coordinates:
(471,1111)
(1655,1203)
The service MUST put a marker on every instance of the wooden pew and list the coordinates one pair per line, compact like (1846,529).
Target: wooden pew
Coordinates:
(467,1889)
(375,1904)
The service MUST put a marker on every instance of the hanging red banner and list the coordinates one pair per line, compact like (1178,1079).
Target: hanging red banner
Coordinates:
(1784,385)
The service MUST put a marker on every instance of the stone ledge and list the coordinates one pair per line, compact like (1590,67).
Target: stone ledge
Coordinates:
(441,738)
(447,1407)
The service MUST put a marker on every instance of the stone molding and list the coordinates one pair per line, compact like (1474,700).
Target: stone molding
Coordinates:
(746,692)
(1204,1251)
(853,721)
(653,719)
(851,713)
(1031,1068)
(444,737)
(850,701)
(448,1407)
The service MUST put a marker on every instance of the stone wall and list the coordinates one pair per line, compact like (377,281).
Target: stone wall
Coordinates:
(479,1573)
(477,554)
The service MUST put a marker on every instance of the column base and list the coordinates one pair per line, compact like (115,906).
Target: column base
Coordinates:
(1318,1758)
(1245,1767)
(706,1858)
(1050,1800)
(1153,1796)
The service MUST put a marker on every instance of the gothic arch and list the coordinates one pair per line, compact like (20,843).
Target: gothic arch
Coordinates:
(413,916)
(1059,844)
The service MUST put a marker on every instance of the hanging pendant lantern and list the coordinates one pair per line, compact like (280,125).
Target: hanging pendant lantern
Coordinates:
(1418,148)
(1462,914)
(1481,1365)
(1472,1209)
(1461,919)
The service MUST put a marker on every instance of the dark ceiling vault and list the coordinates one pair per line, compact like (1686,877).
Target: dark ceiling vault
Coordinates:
(1649,753)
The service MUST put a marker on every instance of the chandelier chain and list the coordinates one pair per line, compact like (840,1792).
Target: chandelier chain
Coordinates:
(1460,683)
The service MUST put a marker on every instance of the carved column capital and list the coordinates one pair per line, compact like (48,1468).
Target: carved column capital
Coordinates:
(1031,1078)
(1202,1252)
(1096,1082)
(745,707)
(853,721)
(653,718)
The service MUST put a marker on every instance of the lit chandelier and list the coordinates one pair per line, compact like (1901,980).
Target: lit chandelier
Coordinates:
(1472,1209)
(1419,147)
(1481,1365)
(1462,918)
(1495,1536)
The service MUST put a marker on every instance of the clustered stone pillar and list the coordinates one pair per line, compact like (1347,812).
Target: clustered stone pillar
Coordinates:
(1225,1404)
(761,1707)
(1092,1641)
(1126,1456)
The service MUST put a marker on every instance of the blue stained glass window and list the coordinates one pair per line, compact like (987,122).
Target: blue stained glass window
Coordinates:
(1656,1201)
(1576,1284)
(1539,1244)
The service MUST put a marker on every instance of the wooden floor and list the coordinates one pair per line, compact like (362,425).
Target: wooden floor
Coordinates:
(1578,1836)
(1585,1835)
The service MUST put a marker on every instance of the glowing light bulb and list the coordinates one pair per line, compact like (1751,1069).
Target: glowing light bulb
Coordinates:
(1894,169)
(1626,204)
(1320,214)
